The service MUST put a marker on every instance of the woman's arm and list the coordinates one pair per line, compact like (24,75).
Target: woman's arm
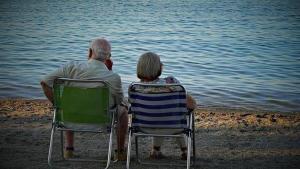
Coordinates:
(190,102)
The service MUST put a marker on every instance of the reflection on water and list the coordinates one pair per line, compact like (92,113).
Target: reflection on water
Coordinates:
(232,53)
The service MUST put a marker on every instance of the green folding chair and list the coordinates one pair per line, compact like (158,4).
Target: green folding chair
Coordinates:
(76,106)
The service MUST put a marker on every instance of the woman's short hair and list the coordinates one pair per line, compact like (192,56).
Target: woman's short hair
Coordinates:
(149,66)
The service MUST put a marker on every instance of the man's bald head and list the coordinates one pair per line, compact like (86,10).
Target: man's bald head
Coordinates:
(100,49)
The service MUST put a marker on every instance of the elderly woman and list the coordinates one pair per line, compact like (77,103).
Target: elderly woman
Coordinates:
(149,69)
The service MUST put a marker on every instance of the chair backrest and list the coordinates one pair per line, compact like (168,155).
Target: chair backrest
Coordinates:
(158,105)
(84,105)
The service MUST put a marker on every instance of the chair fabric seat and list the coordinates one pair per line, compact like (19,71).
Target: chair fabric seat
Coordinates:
(163,110)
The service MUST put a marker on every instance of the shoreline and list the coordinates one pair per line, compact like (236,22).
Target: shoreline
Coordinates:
(225,138)
(252,109)
(205,117)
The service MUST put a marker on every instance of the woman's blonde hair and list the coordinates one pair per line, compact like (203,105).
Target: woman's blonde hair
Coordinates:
(149,66)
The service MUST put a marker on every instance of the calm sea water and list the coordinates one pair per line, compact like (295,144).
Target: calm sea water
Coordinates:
(233,53)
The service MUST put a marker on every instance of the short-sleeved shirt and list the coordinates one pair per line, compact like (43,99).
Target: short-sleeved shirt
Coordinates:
(91,70)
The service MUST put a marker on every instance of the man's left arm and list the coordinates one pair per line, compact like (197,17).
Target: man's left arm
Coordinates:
(117,90)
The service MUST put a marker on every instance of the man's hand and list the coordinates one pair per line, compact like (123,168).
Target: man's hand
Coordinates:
(109,63)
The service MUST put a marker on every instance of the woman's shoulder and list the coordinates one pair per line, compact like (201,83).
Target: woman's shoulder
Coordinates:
(170,79)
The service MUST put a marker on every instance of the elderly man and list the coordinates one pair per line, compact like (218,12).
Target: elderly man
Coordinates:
(98,67)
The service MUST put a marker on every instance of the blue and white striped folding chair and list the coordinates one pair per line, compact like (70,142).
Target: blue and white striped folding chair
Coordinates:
(159,106)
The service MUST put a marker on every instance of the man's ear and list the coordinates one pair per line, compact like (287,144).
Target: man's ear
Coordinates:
(90,53)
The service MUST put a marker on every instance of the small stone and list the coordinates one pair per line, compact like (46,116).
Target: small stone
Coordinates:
(246,114)
(273,120)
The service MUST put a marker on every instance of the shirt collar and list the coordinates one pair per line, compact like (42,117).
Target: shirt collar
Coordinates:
(96,62)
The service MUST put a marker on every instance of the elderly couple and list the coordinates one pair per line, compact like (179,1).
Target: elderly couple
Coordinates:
(99,67)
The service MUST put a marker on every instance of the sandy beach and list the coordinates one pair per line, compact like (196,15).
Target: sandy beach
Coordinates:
(225,138)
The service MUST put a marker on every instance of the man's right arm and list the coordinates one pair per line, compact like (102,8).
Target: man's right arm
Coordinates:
(47,91)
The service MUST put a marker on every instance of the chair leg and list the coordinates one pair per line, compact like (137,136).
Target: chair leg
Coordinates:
(194,149)
(137,148)
(51,146)
(62,144)
(128,149)
(110,141)
(188,160)
(109,147)
(194,143)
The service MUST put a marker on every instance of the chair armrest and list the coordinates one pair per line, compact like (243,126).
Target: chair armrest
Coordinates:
(129,109)
(190,110)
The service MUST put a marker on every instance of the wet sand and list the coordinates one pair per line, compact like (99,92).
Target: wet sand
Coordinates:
(225,138)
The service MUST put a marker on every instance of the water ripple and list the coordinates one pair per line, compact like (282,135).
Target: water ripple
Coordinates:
(231,53)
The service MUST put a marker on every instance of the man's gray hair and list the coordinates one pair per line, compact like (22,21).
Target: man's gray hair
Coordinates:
(97,47)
